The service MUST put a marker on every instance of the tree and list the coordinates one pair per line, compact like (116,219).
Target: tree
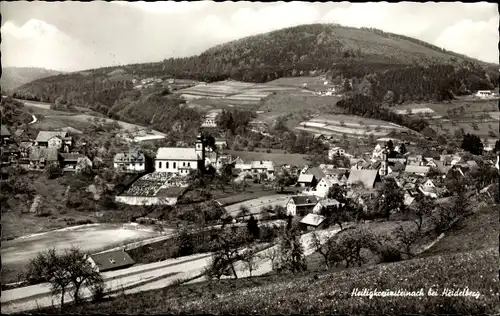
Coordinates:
(250,260)
(53,171)
(69,271)
(291,252)
(390,146)
(253,227)
(390,198)
(365,87)
(472,144)
(226,245)
(423,209)
(406,238)
(402,149)
(348,245)
(338,193)
(244,211)
(185,243)
(389,98)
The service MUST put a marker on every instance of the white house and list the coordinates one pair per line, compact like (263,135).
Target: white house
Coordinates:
(132,161)
(377,152)
(300,205)
(484,94)
(209,120)
(181,161)
(327,203)
(337,151)
(261,166)
(324,186)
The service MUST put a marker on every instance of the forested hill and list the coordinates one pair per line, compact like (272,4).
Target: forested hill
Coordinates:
(410,68)
(13,77)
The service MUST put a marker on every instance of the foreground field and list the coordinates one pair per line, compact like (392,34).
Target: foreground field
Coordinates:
(16,253)
(329,292)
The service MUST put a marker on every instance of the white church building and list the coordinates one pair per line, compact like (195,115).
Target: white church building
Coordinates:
(181,161)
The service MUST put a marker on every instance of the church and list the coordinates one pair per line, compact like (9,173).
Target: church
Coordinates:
(181,161)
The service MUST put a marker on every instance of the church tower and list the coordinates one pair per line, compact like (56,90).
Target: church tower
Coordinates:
(200,151)
(384,162)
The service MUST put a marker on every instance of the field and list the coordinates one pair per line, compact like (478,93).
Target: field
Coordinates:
(312,83)
(235,94)
(350,125)
(16,253)
(278,158)
(255,206)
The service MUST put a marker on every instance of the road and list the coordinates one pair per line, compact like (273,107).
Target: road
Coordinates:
(141,278)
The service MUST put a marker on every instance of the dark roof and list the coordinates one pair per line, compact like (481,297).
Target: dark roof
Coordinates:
(304,200)
(131,156)
(316,172)
(71,156)
(4,131)
(112,260)
(19,132)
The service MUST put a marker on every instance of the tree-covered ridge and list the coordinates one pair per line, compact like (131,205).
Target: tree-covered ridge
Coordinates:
(400,64)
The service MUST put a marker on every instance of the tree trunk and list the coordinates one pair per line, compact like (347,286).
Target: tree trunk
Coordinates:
(62,298)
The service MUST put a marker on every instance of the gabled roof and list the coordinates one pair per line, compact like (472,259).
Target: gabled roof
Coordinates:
(112,260)
(329,202)
(305,178)
(175,153)
(262,164)
(317,172)
(367,177)
(44,136)
(417,169)
(302,200)
(4,131)
(19,132)
(312,220)
(472,164)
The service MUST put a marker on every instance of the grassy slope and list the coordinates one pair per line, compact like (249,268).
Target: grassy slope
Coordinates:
(465,257)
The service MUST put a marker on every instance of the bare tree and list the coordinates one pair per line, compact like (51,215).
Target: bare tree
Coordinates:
(406,238)
(250,260)
(68,271)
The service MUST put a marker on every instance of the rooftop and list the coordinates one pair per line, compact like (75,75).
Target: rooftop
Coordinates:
(304,200)
(312,220)
(44,136)
(175,153)
(112,260)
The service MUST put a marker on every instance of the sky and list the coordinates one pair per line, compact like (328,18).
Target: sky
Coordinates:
(71,36)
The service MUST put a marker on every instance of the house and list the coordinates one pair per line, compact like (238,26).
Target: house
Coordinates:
(307,180)
(262,167)
(367,177)
(131,161)
(181,161)
(210,119)
(408,199)
(317,172)
(441,167)
(484,94)
(220,143)
(300,205)
(472,164)
(53,139)
(417,170)
(21,135)
(75,162)
(111,260)
(329,204)
(258,126)
(41,157)
(312,222)
(377,152)
(4,135)
(414,160)
(323,187)
(337,151)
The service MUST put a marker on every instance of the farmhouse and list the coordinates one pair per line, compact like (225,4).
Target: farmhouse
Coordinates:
(209,120)
(328,204)
(53,139)
(300,205)
(258,126)
(307,180)
(112,260)
(181,161)
(75,162)
(262,167)
(337,151)
(40,157)
(484,94)
(312,222)
(131,161)
(323,187)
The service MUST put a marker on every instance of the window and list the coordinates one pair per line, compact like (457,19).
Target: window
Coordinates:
(174,165)
(159,164)
(111,260)
(140,164)
(167,165)
(183,164)
(189,164)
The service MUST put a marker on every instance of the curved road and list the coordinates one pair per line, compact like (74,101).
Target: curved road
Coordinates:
(141,278)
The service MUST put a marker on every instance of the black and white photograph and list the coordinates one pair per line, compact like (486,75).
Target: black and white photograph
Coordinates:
(249,158)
